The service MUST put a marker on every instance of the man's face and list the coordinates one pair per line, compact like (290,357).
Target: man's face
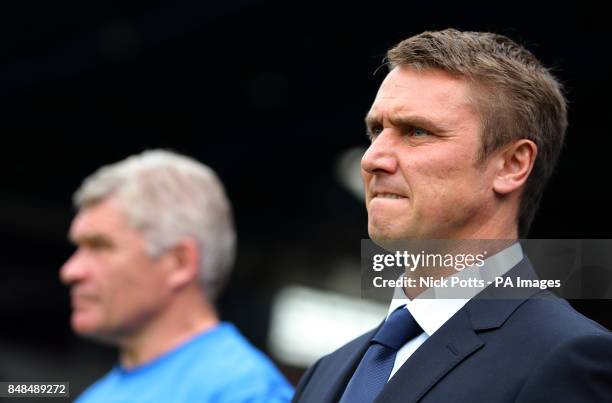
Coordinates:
(421,177)
(117,289)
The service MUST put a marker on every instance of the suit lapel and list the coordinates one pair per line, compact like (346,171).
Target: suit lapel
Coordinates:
(450,345)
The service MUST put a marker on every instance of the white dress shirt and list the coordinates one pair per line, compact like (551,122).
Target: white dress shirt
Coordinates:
(431,313)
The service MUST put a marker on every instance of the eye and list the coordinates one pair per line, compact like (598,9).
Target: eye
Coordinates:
(374,131)
(98,244)
(417,132)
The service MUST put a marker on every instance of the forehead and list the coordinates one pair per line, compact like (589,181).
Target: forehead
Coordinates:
(103,218)
(432,93)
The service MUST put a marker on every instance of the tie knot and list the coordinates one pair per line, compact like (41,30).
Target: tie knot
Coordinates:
(399,328)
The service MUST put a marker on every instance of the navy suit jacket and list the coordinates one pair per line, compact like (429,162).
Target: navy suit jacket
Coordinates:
(532,347)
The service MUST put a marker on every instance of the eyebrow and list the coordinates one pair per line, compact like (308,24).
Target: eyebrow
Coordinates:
(407,120)
(90,240)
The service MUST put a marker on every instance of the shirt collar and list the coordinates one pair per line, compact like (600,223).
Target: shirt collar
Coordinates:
(431,313)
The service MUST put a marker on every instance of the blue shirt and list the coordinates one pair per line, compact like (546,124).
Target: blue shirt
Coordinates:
(219,365)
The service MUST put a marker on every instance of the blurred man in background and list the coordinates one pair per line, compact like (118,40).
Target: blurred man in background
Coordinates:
(465,131)
(155,245)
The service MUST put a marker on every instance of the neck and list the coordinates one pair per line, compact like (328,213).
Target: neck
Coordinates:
(491,239)
(184,318)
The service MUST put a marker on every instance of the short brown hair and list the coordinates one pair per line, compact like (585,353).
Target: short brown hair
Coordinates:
(515,95)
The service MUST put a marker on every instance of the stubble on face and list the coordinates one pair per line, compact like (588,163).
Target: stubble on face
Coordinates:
(434,170)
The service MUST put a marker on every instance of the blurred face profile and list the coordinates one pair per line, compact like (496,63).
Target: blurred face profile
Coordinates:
(420,173)
(116,288)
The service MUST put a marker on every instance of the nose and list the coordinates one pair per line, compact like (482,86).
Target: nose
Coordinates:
(74,270)
(380,157)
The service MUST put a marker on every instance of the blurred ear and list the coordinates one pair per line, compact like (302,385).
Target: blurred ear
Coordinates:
(514,164)
(183,262)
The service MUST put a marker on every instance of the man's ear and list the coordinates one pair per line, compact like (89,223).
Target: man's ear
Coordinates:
(515,163)
(183,263)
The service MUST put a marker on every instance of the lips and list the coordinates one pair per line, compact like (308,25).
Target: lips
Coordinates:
(80,299)
(387,194)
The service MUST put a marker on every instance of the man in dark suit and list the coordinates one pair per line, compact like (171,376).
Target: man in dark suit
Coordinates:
(465,131)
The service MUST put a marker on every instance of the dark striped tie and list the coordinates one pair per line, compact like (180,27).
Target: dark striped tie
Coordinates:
(375,367)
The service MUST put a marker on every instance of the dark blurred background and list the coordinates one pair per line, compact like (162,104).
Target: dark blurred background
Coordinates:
(272,96)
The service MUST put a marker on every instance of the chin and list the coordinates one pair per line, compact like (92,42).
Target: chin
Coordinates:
(378,233)
(82,329)
(84,325)
(390,233)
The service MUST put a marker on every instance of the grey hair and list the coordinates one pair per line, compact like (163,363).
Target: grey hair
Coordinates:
(168,197)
